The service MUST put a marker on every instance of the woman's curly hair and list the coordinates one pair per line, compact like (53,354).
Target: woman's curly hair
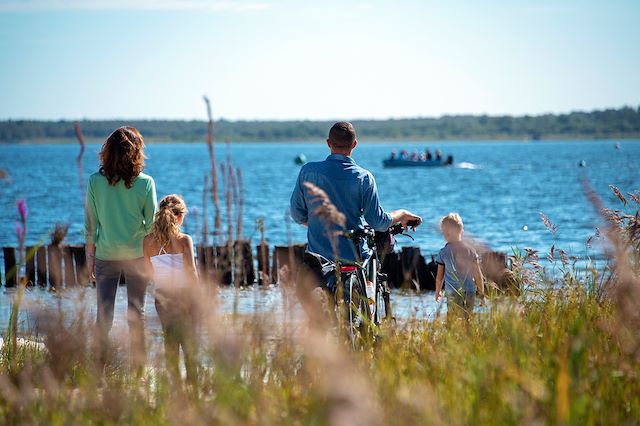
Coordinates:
(122,156)
(166,223)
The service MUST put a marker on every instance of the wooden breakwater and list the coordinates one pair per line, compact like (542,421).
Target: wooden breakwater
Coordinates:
(238,264)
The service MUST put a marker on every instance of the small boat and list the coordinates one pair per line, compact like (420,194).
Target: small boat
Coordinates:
(400,162)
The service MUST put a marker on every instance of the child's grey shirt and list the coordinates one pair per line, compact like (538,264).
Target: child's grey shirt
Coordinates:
(458,259)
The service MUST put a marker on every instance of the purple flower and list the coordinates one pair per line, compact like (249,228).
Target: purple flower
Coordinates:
(19,231)
(22,209)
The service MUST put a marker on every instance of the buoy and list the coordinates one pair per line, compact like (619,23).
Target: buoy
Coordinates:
(300,159)
(525,228)
(582,163)
(617,145)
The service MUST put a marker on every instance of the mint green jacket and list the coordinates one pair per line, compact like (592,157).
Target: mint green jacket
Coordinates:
(117,218)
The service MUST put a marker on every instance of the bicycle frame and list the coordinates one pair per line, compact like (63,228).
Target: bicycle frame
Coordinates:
(367,272)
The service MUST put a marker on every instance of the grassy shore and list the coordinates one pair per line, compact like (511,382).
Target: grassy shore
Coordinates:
(557,357)
(561,349)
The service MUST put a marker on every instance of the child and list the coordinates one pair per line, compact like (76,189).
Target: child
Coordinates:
(168,254)
(458,267)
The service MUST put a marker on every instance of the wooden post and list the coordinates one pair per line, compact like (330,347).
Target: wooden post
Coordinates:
(209,265)
(54,257)
(31,265)
(274,266)
(69,269)
(245,274)
(80,260)
(392,266)
(10,267)
(410,257)
(493,264)
(41,265)
(262,253)
(290,256)
(201,263)
(431,270)
(223,265)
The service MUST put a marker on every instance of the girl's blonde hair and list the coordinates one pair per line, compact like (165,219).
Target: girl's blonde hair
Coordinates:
(452,220)
(166,224)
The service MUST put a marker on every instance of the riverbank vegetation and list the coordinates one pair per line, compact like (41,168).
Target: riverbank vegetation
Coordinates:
(599,124)
(566,350)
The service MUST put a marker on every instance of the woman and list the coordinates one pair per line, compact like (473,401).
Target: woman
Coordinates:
(120,207)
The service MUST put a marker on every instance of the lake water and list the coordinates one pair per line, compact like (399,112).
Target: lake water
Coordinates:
(498,187)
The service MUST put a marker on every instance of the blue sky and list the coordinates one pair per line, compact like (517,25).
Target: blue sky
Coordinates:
(272,59)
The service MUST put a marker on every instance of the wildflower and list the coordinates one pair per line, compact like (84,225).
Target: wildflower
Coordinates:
(22,210)
(548,224)
(563,257)
(618,194)
(19,232)
(59,233)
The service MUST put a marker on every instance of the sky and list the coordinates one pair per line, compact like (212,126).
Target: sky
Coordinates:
(287,59)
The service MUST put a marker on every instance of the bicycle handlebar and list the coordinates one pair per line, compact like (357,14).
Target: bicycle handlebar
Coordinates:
(367,231)
(399,229)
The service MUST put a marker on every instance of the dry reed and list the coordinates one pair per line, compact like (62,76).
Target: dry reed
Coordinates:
(80,138)
(214,174)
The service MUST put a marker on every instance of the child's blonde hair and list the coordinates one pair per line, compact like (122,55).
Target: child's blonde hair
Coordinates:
(452,220)
(167,224)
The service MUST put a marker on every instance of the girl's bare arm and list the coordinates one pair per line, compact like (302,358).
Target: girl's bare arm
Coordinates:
(189,259)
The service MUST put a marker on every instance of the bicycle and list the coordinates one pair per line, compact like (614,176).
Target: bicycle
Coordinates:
(362,287)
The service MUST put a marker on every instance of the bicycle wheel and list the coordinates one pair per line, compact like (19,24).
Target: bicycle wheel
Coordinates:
(381,310)
(358,319)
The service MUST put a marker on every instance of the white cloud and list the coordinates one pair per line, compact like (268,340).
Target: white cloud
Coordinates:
(96,5)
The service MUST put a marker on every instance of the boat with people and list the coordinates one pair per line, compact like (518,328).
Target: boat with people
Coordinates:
(417,160)
(398,162)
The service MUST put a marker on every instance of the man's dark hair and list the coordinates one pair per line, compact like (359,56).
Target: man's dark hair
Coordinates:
(342,134)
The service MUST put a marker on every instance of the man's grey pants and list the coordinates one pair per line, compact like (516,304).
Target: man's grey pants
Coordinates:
(107,277)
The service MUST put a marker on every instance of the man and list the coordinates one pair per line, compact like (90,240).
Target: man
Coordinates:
(350,188)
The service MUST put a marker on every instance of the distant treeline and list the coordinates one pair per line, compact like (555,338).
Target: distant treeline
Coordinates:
(610,123)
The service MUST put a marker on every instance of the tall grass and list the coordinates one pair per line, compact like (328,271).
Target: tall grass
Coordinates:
(556,354)
(556,359)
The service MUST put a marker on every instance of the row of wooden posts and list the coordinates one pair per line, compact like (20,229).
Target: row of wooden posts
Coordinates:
(65,265)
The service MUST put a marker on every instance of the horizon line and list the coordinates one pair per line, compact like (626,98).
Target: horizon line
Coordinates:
(283,120)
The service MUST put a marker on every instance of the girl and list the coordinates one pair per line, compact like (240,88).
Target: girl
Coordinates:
(168,254)
(120,205)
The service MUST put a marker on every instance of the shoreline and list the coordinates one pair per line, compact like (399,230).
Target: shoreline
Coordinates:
(374,140)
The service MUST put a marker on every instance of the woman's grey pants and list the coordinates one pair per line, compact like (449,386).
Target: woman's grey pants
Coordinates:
(107,278)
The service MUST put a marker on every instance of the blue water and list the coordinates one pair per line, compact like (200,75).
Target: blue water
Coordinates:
(498,187)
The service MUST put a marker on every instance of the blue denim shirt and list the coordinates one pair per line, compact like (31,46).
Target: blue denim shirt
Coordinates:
(458,259)
(351,189)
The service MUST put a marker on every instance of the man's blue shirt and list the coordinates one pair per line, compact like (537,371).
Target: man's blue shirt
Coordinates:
(351,189)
